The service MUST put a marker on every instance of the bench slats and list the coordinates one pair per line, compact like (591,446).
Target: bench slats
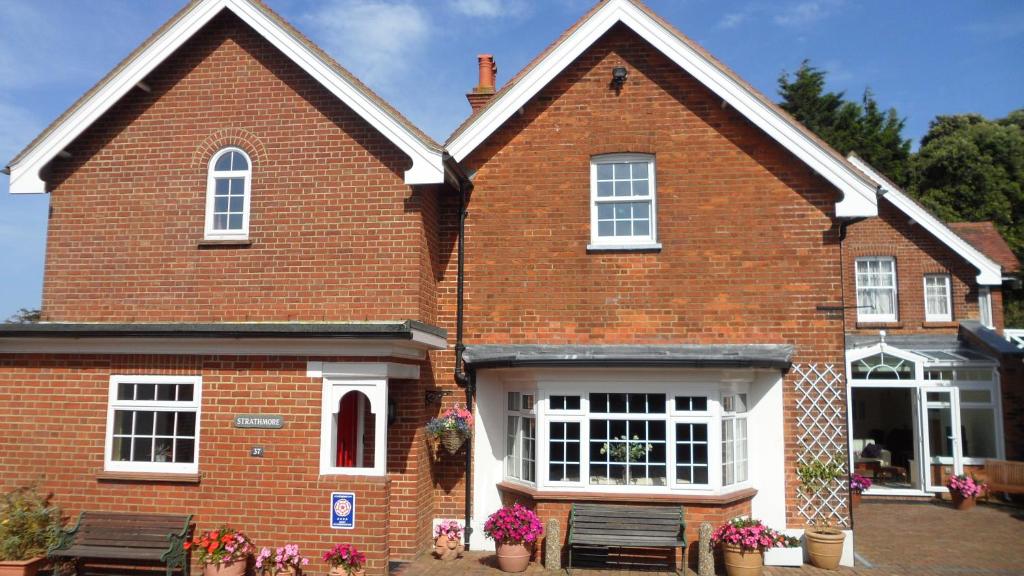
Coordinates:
(127,538)
(111,552)
(611,526)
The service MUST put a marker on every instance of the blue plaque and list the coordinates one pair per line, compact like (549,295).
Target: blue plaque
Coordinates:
(343,510)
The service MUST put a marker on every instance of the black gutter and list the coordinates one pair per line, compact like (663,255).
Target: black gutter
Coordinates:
(467,381)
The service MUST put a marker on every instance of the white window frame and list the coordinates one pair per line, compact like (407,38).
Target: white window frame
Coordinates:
(517,457)
(649,241)
(733,417)
(985,307)
(862,314)
(211,188)
(931,316)
(376,392)
(113,404)
(712,417)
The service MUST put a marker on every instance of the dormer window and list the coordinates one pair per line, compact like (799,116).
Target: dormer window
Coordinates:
(227,195)
(622,202)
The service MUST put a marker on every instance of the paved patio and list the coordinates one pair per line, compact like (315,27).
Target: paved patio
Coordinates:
(892,538)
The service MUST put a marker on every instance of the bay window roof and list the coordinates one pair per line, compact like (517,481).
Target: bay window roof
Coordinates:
(775,356)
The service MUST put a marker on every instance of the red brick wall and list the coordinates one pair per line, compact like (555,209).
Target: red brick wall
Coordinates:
(54,430)
(336,234)
(749,247)
(917,252)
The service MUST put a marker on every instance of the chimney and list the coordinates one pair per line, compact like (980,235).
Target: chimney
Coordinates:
(484,90)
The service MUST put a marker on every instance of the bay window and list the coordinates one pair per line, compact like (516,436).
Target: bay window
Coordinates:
(646,441)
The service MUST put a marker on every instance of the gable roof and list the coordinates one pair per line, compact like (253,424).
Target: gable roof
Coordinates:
(426,155)
(989,272)
(986,238)
(859,197)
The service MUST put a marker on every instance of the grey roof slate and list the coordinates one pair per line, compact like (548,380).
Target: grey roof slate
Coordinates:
(776,356)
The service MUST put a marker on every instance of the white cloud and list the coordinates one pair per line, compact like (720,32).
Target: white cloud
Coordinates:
(378,40)
(489,8)
(804,13)
(732,20)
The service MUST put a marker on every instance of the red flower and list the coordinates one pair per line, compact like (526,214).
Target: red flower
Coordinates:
(212,548)
(215,535)
(187,545)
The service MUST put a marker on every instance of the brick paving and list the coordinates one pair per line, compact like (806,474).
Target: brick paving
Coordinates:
(893,538)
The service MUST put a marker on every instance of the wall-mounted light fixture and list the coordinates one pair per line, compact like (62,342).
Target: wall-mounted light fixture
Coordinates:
(619,75)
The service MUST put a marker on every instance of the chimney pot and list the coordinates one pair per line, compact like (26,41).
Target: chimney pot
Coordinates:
(484,89)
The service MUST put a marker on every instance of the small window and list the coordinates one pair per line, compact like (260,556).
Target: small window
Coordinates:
(985,306)
(937,298)
(228,195)
(521,438)
(691,403)
(153,424)
(623,201)
(734,439)
(559,403)
(876,289)
(353,426)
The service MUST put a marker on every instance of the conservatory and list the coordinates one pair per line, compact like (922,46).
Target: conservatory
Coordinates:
(921,408)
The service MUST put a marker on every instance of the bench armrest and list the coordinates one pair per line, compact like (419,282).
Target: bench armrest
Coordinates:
(66,536)
(176,554)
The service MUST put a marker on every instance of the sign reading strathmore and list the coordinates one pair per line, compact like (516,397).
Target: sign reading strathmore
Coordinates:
(259,421)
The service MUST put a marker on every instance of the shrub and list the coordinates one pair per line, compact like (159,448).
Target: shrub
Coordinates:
(29,524)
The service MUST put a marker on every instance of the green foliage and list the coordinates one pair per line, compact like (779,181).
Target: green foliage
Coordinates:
(816,474)
(29,524)
(848,126)
(971,169)
(25,316)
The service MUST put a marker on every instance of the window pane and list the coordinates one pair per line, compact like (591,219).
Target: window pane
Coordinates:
(641,228)
(606,212)
(512,448)
(125,391)
(604,171)
(529,449)
(163,450)
(621,171)
(165,392)
(221,187)
(142,450)
(220,222)
(622,188)
(122,422)
(513,401)
(165,423)
(639,170)
(145,391)
(623,228)
(599,403)
(121,449)
(143,423)
(184,392)
(236,204)
(564,451)
(236,222)
(640,188)
(691,403)
(604,189)
(979,431)
(975,396)
(224,162)
(220,204)
(606,228)
(641,210)
(186,424)
(238,162)
(237,186)
(184,450)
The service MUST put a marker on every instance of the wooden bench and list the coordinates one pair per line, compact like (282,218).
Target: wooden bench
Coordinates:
(611,526)
(1005,476)
(119,538)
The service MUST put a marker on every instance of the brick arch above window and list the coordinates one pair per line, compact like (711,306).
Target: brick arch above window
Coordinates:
(228,138)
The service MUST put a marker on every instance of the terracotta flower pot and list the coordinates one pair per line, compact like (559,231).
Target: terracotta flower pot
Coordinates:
(21,567)
(962,503)
(339,571)
(452,440)
(740,562)
(513,557)
(448,549)
(854,498)
(233,568)
(825,548)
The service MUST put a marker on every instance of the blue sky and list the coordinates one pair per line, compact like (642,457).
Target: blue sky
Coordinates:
(924,58)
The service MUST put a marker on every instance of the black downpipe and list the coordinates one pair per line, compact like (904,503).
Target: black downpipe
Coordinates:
(467,381)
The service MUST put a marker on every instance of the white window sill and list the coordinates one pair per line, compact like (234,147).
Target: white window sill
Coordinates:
(651,247)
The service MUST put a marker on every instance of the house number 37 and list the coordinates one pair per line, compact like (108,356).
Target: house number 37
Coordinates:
(257,452)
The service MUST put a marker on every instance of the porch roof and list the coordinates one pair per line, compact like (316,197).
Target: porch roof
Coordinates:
(775,356)
(939,349)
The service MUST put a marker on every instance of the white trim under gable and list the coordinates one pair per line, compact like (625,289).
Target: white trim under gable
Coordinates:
(859,197)
(25,174)
(989,272)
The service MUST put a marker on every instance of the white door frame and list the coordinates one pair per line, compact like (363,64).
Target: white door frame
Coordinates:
(953,405)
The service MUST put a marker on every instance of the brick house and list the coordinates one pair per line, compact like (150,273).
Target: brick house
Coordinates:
(650,284)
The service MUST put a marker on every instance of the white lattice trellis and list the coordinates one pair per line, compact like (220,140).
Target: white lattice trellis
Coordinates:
(821,435)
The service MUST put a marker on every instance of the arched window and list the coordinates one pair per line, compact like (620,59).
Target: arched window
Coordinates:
(227,195)
(883,366)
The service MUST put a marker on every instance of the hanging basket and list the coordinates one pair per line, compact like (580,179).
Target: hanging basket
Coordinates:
(452,440)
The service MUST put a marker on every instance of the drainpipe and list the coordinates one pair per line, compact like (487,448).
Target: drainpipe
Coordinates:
(843,224)
(467,381)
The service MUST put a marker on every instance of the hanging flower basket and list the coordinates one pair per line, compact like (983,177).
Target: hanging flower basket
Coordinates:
(452,440)
(452,428)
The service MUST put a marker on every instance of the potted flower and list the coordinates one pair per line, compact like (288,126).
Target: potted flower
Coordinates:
(285,560)
(786,552)
(452,428)
(963,490)
(448,540)
(222,552)
(858,484)
(744,541)
(29,526)
(824,542)
(514,529)
(345,559)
